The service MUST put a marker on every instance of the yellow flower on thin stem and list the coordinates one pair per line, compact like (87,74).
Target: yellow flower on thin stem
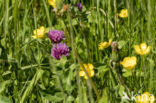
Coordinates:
(123,13)
(129,62)
(39,33)
(145,98)
(52,3)
(142,49)
(90,69)
(103,45)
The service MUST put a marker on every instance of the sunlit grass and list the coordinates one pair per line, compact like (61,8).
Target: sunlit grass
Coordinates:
(30,74)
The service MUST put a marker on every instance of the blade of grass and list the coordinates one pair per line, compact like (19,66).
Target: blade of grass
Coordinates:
(33,82)
(47,13)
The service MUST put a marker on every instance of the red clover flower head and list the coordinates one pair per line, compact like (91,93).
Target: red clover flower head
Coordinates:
(56,36)
(58,50)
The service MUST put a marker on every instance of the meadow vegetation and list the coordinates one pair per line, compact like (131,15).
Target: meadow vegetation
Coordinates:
(77,51)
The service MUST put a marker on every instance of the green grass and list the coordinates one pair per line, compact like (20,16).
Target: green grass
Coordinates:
(28,74)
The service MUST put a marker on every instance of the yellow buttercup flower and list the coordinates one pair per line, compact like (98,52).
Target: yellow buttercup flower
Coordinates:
(39,33)
(103,45)
(90,69)
(129,62)
(123,13)
(52,3)
(142,49)
(145,98)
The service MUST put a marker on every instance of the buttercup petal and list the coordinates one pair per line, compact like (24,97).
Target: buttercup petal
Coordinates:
(85,65)
(142,49)
(34,37)
(92,73)
(90,66)
(35,32)
(134,58)
(138,99)
(110,41)
(52,3)
(105,44)
(39,33)
(143,46)
(129,62)
(137,49)
(123,13)
(85,77)
(90,70)
(82,73)
(121,62)
(42,28)
(147,50)
(100,46)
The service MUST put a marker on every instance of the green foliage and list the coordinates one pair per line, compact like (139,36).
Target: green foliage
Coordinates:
(29,74)
(4,99)
(3,85)
(127,73)
(121,44)
(58,97)
(104,97)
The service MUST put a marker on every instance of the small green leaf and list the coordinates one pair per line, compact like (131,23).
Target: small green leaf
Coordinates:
(58,97)
(121,44)
(85,97)
(127,73)
(73,66)
(63,60)
(102,70)
(3,85)
(121,90)
(70,99)
(104,98)
(4,99)
(74,22)
(3,43)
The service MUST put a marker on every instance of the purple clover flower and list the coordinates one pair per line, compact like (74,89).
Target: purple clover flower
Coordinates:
(58,50)
(79,5)
(56,36)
